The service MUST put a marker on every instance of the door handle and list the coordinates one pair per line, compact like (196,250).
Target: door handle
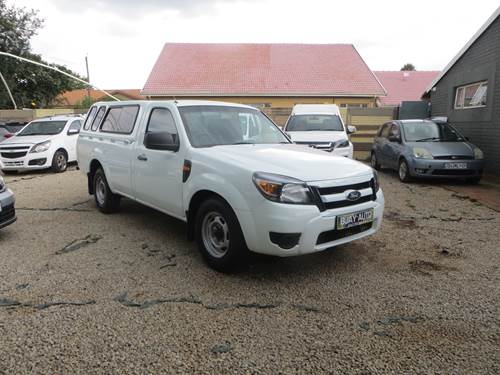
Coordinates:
(142,157)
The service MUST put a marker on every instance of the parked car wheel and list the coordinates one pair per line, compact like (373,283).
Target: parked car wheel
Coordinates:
(473,180)
(105,199)
(219,236)
(404,171)
(59,162)
(374,162)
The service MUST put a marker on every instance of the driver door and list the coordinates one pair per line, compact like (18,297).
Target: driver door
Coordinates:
(157,173)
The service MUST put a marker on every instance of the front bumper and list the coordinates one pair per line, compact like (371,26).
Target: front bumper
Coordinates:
(432,168)
(7,211)
(304,219)
(31,161)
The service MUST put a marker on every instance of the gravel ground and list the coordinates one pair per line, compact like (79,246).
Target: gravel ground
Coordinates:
(81,292)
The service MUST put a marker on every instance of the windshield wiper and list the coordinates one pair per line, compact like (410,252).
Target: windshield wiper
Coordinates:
(427,139)
(241,143)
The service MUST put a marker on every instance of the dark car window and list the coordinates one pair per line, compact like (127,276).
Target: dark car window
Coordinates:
(43,128)
(429,131)
(394,131)
(90,117)
(97,119)
(384,133)
(75,125)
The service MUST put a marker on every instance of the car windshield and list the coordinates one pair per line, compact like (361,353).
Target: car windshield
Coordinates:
(208,126)
(298,123)
(43,128)
(428,131)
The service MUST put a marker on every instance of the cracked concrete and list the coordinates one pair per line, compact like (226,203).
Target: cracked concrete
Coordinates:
(421,296)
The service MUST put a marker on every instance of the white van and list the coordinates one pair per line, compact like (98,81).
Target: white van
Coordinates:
(320,126)
(231,174)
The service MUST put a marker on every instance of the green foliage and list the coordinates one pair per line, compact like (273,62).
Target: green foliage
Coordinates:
(85,103)
(408,67)
(31,85)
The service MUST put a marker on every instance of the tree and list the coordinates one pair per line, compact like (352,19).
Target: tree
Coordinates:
(31,85)
(408,67)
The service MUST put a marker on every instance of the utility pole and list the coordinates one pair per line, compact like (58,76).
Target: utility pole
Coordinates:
(88,75)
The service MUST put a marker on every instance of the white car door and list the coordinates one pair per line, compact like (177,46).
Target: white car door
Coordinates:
(71,138)
(158,173)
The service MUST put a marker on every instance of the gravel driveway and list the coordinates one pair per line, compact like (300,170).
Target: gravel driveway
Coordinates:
(126,293)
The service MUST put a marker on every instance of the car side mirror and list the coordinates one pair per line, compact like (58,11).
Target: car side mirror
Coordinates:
(467,139)
(161,141)
(394,138)
(351,129)
(73,131)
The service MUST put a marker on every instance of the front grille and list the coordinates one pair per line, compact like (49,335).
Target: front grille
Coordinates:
(13,155)
(14,148)
(454,157)
(337,234)
(320,194)
(454,172)
(14,163)
(7,213)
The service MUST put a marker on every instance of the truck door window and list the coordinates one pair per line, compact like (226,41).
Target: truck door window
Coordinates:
(161,121)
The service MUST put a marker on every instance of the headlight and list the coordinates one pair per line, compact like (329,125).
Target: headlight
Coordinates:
(41,147)
(282,189)
(478,154)
(422,153)
(376,185)
(342,143)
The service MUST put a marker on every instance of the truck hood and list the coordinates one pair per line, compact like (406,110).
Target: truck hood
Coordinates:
(291,160)
(27,139)
(446,148)
(317,136)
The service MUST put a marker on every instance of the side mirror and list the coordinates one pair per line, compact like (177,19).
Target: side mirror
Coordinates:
(161,141)
(394,138)
(73,131)
(467,139)
(351,129)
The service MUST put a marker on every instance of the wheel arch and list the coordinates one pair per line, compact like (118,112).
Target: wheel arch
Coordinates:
(93,167)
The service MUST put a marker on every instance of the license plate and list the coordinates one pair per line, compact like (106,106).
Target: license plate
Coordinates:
(354,219)
(455,165)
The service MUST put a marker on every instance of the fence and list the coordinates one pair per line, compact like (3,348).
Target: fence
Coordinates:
(27,115)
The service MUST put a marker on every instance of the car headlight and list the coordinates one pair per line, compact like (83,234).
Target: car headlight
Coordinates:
(422,153)
(283,189)
(478,154)
(376,184)
(341,144)
(41,147)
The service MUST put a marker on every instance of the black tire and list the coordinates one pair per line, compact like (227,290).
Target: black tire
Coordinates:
(404,176)
(105,199)
(59,162)
(219,236)
(473,180)
(374,162)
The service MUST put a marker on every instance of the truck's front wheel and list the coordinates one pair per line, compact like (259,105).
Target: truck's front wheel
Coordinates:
(219,236)
(105,199)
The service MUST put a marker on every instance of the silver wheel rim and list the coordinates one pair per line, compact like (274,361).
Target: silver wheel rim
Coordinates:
(215,234)
(374,161)
(403,170)
(100,191)
(61,161)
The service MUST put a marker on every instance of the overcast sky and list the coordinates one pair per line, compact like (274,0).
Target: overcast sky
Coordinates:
(124,37)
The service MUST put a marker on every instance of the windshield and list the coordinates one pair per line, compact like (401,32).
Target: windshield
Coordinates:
(299,123)
(428,131)
(220,125)
(43,128)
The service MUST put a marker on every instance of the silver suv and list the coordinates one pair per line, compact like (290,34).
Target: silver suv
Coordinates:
(7,211)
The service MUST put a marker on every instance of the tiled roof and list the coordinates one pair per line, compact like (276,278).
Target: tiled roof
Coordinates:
(404,85)
(261,69)
(74,97)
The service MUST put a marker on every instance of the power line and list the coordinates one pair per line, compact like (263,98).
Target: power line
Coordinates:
(59,71)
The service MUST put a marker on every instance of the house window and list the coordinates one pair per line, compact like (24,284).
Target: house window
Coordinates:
(471,96)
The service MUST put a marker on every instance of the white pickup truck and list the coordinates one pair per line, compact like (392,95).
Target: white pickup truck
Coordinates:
(237,191)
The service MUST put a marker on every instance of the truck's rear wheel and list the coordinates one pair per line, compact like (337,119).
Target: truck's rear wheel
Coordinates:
(105,199)
(219,236)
